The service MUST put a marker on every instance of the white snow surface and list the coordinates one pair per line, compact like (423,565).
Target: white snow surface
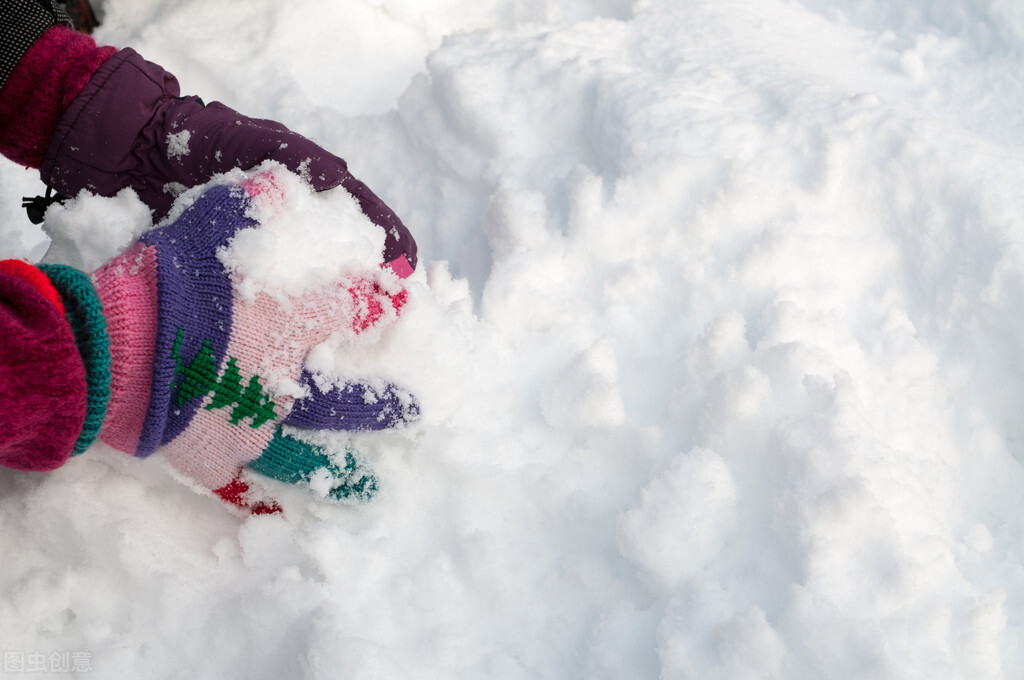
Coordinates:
(716,334)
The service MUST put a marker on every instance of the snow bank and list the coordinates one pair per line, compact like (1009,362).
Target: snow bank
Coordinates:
(715,335)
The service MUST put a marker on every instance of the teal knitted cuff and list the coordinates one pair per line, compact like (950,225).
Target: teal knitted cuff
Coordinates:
(85,313)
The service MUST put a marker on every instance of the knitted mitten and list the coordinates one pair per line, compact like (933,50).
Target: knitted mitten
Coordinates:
(180,360)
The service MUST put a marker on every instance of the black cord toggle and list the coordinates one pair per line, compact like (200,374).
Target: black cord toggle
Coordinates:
(36,207)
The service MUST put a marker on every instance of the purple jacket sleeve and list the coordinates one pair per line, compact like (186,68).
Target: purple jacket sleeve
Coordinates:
(129,127)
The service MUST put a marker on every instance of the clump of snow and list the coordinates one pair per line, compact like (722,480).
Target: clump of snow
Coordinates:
(685,516)
(85,231)
(177,144)
(716,336)
(304,240)
(586,395)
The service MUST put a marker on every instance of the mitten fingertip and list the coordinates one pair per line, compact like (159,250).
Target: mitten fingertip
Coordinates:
(339,476)
(400,266)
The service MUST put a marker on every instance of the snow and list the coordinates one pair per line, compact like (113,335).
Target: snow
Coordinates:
(715,333)
(327,233)
(177,144)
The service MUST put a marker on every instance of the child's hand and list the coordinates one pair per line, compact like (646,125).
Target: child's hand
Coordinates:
(211,373)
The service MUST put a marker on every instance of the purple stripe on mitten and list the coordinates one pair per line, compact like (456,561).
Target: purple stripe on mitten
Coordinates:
(194,304)
(353,406)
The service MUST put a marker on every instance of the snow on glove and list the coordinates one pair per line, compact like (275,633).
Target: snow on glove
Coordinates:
(213,378)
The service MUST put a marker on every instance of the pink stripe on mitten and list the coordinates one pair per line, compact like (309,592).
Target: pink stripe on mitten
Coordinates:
(127,287)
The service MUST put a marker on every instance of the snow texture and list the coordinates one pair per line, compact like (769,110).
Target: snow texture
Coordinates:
(716,336)
(177,144)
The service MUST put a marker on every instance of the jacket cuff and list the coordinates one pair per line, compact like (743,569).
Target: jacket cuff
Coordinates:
(44,395)
(46,80)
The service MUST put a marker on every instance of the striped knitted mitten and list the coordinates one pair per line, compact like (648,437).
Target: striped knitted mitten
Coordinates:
(213,378)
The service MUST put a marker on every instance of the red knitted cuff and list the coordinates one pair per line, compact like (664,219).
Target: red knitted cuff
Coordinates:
(45,81)
(43,401)
(26,272)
